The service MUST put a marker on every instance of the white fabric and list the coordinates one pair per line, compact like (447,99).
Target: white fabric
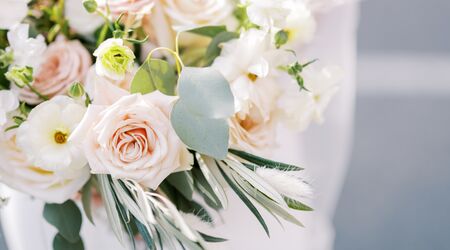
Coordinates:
(324,150)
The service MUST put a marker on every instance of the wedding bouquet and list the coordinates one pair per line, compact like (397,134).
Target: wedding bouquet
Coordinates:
(158,107)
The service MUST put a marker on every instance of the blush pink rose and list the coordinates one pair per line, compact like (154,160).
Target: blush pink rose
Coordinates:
(64,63)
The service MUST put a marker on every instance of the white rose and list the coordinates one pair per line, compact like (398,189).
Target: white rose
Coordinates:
(8,103)
(12,12)
(170,16)
(50,186)
(26,51)
(43,136)
(131,136)
(92,78)
(79,19)
(299,108)
(117,7)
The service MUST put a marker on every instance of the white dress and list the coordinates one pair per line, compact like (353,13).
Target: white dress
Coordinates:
(324,150)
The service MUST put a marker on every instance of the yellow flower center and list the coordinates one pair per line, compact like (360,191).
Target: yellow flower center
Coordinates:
(60,137)
(252,77)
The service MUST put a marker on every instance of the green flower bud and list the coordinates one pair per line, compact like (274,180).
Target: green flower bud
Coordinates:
(76,90)
(90,5)
(281,38)
(6,58)
(20,76)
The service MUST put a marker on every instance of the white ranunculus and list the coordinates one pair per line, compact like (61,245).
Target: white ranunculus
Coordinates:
(299,108)
(26,51)
(43,137)
(131,137)
(250,66)
(114,59)
(8,102)
(268,13)
(12,12)
(50,186)
(79,19)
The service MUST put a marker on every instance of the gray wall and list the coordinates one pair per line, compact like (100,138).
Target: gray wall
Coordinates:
(405,26)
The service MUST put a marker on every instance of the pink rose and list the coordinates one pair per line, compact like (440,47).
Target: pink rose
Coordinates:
(64,63)
(130,136)
(117,7)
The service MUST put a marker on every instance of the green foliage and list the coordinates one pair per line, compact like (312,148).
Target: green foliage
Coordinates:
(66,217)
(244,199)
(281,38)
(295,70)
(86,197)
(60,243)
(200,115)
(209,31)
(183,182)
(262,162)
(209,238)
(154,74)
(214,48)
(297,205)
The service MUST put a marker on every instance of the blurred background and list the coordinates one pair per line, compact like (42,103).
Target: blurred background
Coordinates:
(396,192)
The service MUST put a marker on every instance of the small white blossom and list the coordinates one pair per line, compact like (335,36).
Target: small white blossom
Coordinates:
(114,59)
(43,137)
(26,51)
(268,13)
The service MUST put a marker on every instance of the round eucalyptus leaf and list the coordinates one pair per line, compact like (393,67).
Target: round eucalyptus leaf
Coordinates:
(66,217)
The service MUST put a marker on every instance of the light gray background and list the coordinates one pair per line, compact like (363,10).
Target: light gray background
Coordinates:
(396,195)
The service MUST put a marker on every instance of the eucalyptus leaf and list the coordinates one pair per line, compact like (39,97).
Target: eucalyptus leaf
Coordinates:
(86,197)
(262,162)
(60,243)
(297,205)
(66,218)
(146,236)
(206,93)
(209,31)
(214,48)
(206,135)
(183,182)
(154,74)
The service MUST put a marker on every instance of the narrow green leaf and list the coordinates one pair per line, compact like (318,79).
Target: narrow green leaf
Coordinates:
(262,162)
(297,205)
(205,190)
(60,243)
(154,74)
(246,201)
(183,182)
(209,238)
(214,48)
(209,31)
(66,218)
(145,235)
(86,196)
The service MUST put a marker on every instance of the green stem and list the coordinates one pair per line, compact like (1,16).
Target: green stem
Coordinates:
(34,90)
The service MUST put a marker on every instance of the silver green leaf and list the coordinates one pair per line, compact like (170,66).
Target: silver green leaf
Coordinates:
(200,115)
(154,74)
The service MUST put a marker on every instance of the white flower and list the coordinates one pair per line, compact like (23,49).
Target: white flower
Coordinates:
(12,12)
(8,102)
(50,186)
(268,13)
(26,51)
(79,19)
(299,108)
(130,136)
(114,59)
(43,137)
(300,24)
(250,66)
